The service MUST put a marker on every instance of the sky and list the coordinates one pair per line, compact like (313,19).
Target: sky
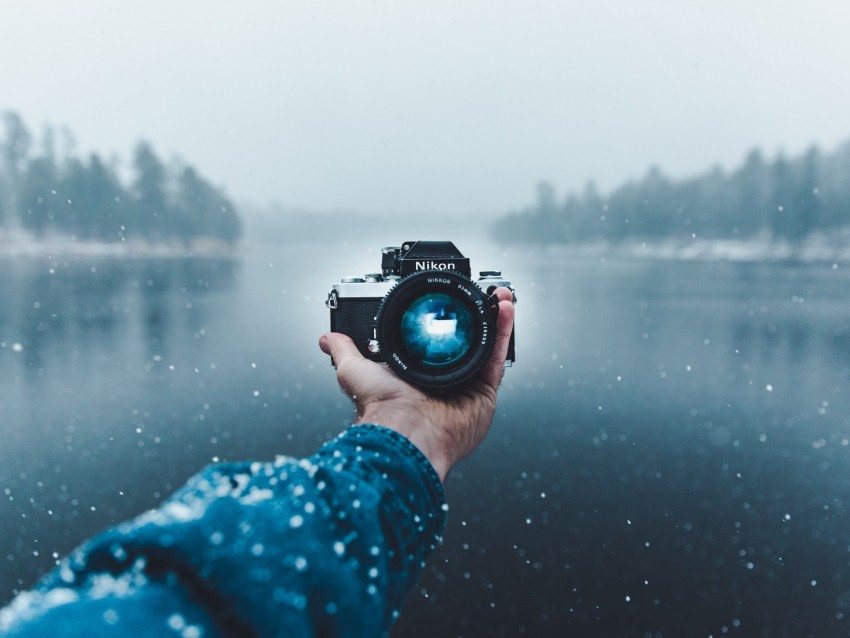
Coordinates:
(430,107)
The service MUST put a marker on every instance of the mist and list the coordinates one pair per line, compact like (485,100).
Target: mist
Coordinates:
(665,188)
(435,108)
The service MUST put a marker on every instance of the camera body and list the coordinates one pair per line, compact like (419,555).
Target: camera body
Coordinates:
(422,314)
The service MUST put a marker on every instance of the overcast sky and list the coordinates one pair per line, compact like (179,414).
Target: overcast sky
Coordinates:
(456,106)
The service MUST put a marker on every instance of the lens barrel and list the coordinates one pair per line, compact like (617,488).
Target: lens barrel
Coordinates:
(437,329)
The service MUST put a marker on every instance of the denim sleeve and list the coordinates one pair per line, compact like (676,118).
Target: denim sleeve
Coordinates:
(324,546)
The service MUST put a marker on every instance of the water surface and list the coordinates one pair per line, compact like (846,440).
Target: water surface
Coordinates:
(670,455)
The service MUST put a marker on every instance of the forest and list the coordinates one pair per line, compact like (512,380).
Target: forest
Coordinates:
(46,189)
(786,199)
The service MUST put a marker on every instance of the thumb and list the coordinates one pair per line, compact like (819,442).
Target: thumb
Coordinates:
(340,347)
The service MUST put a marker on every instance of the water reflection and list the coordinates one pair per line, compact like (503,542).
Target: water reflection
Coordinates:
(53,311)
(655,329)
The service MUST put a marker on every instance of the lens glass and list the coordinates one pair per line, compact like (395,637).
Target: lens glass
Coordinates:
(437,329)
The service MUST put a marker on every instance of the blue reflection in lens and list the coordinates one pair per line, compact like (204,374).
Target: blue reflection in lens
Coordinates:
(437,330)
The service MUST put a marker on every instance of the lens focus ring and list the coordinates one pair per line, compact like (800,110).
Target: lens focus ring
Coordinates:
(436,329)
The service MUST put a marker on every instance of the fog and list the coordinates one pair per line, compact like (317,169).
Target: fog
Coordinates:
(430,107)
(670,453)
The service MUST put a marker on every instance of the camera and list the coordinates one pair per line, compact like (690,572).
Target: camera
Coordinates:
(423,314)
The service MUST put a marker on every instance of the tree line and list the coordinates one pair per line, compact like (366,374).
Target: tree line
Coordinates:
(47,191)
(784,199)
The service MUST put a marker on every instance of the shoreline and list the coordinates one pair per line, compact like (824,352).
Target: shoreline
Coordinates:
(816,249)
(21,245)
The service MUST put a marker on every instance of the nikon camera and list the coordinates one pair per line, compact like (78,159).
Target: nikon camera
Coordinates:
(423,314)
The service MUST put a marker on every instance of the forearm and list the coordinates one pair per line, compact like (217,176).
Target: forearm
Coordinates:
(327,545)
(427,422)
(416,426)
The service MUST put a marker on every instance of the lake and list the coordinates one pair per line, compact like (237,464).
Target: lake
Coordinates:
(670,456)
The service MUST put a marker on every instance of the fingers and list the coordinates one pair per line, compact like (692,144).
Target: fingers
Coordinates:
(504,294)
(494,368)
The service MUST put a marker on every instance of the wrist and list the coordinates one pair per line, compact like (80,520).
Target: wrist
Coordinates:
(415,427)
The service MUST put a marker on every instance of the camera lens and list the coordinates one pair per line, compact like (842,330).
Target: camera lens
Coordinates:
(436,329)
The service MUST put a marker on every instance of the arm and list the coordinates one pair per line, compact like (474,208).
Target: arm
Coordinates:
(323,546)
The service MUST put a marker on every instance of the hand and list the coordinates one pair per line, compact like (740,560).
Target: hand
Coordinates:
(446,428)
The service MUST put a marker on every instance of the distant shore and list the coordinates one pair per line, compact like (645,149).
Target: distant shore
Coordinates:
(818,248)
(815,249)
(19,244)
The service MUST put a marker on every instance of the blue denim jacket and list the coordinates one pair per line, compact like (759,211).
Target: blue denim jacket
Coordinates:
(324,546)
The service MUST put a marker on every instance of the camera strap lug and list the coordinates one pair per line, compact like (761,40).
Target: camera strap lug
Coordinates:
(332,301)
